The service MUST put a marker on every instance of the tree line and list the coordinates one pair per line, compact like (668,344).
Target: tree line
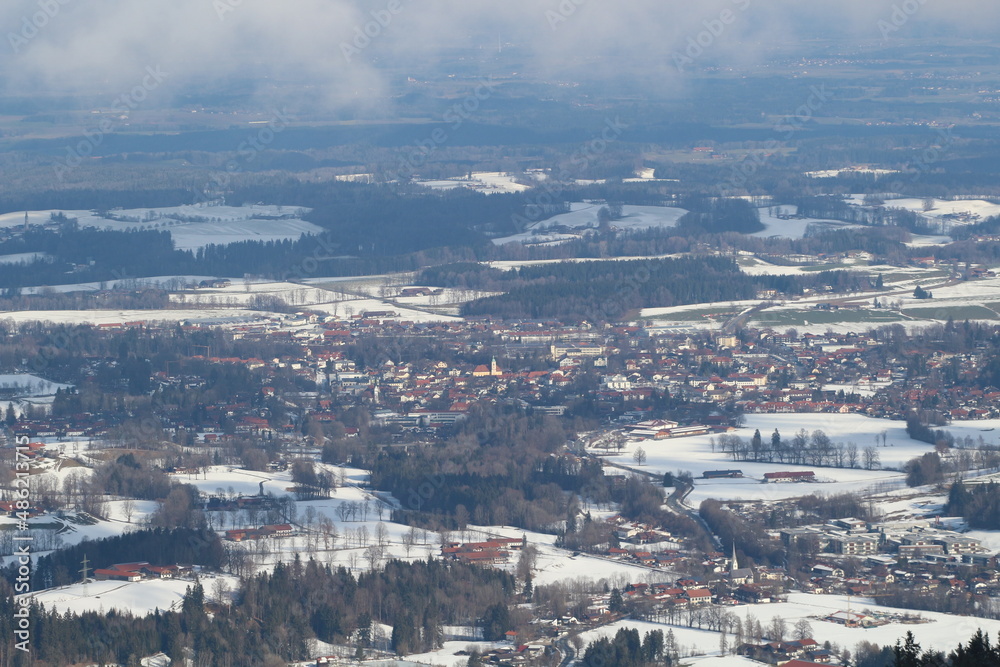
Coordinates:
(273,615)
(602,291)
(804,448)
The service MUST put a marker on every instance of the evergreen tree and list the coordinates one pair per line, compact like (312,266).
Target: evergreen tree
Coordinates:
(404,635)
(617,603)
(496,622)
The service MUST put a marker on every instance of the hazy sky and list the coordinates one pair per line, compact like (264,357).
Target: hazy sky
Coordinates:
(106,45)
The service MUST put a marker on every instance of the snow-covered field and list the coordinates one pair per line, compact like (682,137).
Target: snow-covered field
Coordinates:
(339,299)
(354,307)
(960,300)
(921,241)
(449,296)
(192,236)
(942,632)
(974,208)
(96,317)
(30,385)
(241,293)
(583,215)
(984,292)
(553,564)
(156,282)
(23,257)
(833,173)
(488,182)
(445,656)
(139,598)
(696,456)
(793,228)
(193,226)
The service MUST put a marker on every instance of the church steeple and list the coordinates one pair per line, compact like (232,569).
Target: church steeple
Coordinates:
(734,564)
(495,368)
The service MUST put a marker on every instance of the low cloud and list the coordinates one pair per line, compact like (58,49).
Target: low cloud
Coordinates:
(338,52)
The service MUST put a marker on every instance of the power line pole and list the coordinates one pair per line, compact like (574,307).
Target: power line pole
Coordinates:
(84,571)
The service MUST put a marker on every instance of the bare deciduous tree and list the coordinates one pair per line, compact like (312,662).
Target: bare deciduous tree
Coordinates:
(128,509)
(639,456)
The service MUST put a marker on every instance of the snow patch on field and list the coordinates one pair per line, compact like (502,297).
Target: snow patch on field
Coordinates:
(155,282)
(209,316)
(783,221)
(488,182)
(191,226)
(356,307)
(583,215)
(696,456)
(24,258)
(30,385)
(139,598)
(834,173)
(942,632)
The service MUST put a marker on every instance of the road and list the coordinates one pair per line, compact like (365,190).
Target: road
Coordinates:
(567,651)
(675,501)
(739,320)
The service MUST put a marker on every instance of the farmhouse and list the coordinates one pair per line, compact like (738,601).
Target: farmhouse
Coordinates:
(216,283)
(121,572)
(698,596)
(277,530)
(722,474)
(796,476)
(850,618)
(139,571)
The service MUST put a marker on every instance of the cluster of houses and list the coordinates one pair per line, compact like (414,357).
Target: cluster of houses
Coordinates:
(804,651)
(516,653)
(910,540)
(273,531)
(636,532)
(762,371)
(682,593)
(141,571)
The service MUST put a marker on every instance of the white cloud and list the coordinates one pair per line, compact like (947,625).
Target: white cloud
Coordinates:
(103,46)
